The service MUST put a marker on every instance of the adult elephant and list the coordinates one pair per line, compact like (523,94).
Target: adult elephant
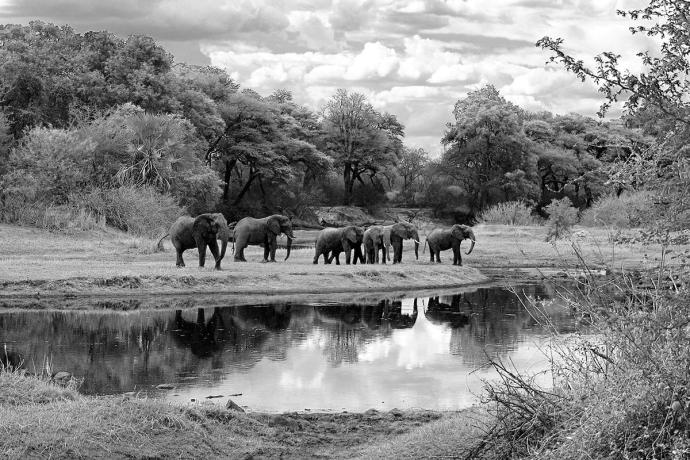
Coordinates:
(373,241)
(393,235)
(337,240)
(198,232)
(442,239)
(262,231)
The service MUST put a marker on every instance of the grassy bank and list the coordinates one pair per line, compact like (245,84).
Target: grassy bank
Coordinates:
(42,263)
(40,419)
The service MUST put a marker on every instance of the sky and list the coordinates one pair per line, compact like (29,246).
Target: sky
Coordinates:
(414,59)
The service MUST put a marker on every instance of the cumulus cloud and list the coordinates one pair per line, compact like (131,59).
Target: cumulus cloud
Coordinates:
(411,58)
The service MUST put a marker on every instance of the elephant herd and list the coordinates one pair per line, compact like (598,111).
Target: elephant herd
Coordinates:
(357,243)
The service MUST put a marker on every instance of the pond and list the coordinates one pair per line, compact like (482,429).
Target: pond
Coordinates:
(418,352)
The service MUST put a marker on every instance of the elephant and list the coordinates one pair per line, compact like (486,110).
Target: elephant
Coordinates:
(395,234)
(373,241)
(337,240)
(198,232)
(262,231)
(442,239)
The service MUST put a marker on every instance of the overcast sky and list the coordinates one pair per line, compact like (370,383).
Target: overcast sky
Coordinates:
(411,58)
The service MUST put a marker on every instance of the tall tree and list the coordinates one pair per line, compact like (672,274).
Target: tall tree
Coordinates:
(488,152)
(361,140)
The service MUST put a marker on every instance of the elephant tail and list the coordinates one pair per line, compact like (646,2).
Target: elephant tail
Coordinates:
(159,245)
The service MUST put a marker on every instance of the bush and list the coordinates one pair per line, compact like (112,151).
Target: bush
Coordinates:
(626,211)
(141,211)
(509,213)
(562,217)
(620,391)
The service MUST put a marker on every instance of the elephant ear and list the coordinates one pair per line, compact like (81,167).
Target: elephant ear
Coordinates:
(274,225)
(401,230)
(458,232)
(203,224)
(351,234)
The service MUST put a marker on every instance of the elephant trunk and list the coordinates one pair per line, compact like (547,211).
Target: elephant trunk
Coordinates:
(289,246)
(473,241)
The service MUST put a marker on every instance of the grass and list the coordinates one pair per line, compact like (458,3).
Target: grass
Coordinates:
(43,420)
(38,262)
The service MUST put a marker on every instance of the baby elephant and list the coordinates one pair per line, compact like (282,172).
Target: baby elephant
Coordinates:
(189,232)
(337,240)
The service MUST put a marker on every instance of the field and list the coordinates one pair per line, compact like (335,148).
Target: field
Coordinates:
(43,264)
(38,267)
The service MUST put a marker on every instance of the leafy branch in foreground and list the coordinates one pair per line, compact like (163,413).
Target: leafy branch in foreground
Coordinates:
(663,83)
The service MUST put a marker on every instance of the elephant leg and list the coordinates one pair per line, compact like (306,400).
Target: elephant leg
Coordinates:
(267,251)
(337,258)
(438,255)
(272,245)
(201,246)
(240,244)
(397,252)
(348,256)
(431,254)
(316,257)
(213,246)
(180,261)
(328,257)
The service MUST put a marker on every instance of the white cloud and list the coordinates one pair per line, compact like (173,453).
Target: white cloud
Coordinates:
(411,58)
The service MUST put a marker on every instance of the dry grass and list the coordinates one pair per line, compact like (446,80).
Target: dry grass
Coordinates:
(76,426)
(108,262)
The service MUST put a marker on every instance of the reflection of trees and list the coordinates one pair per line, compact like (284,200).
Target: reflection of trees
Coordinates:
(122,351)
(488,320)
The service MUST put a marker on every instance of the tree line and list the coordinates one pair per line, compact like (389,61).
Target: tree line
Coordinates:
(93,121)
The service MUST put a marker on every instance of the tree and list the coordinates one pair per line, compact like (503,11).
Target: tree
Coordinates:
(360,140)
(661,86)
(488,153)
(411,167)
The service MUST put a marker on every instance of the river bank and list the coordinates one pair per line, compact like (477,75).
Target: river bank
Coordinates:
(41,419)
(39,264)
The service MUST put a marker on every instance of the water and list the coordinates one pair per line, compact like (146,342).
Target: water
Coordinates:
(427,352)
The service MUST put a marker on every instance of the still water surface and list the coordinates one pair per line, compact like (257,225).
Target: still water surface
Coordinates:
(427,352)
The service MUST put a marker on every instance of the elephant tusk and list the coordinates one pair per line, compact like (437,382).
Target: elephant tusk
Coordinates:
(416,241)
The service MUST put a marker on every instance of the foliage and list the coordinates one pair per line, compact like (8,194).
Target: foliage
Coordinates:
(620,391)
(655,98)
(562,217)
(361,140)
(508,213)
(625,211)
(488,153)
(140,210)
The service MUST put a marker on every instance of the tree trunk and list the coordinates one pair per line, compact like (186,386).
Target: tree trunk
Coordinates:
(244,190)
(229,165)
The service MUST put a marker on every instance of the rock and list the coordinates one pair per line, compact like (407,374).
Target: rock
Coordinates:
(371,412)
(280,420)
(213,396)
(165,386)
(62,378)
(230,405)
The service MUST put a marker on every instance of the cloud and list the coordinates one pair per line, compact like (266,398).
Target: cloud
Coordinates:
(413,58)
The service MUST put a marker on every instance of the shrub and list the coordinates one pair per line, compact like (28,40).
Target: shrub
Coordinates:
(620,391)
(628,210)
(508,213)
(562,217)
(141,211)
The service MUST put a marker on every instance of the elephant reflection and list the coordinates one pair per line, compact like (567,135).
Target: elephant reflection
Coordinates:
(243,331)
(203,338)
(439,312)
